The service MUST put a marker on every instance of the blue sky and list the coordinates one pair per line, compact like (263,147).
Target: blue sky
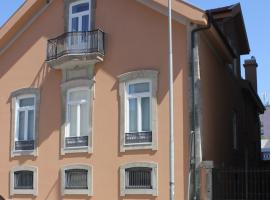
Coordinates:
(256,16)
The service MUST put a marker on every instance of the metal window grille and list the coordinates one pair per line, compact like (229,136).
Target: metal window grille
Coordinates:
(76,179)
(138,138)
(24,145)
(81,141)
(138,178)
(23,179)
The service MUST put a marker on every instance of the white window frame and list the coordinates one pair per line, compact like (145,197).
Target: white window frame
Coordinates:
(33,191)
(26,110)
(154,179)
(67,131)
(88,192)
(138,97)
(129,77)
(80,14)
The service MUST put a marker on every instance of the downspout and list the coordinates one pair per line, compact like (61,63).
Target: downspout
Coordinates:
(195,132)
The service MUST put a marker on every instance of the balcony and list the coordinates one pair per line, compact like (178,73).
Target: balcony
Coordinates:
(75,49)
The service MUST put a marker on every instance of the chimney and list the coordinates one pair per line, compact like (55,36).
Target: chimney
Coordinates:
(251,71)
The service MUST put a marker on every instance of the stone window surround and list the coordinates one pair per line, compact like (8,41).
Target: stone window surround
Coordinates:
(72,84)
(89,191)
(14,96)
(33,191)
(154,179)
(92,14)
(151,75)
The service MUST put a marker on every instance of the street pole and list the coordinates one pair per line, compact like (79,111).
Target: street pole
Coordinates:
(171,118)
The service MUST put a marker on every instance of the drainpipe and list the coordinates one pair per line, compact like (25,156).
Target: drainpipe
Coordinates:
(195,133)
(171,107)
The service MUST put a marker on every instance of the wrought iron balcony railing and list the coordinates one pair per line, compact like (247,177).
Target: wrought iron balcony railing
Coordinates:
(76,141)
(24,145)
(138,138)
(76,43)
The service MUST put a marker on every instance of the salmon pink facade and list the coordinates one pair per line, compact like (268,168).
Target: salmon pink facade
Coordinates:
(84,99)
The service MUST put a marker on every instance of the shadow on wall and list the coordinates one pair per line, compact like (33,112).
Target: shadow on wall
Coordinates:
(45,80)
(55,187)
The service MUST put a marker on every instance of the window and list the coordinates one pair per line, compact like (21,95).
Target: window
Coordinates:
(234,122)
(139,178)
(23,180)
(138,112)
(77,179)
(77,125)
(77,103)
(79,16)
(261,128)
(25,109)
(25,123)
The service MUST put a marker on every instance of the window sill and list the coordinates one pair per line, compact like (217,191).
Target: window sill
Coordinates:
(139,192)
(24,153)
(76,192)
(31,192)
(144,146)
(76,150)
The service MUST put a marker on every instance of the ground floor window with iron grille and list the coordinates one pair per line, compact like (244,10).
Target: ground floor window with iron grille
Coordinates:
(138,178)
(23,180)
(76,179)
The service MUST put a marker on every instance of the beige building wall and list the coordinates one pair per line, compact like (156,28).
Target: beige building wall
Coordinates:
(136,38)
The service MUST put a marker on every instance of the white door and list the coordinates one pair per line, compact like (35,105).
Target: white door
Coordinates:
(79,24)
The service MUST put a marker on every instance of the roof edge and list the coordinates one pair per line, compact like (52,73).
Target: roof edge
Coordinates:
(180,9)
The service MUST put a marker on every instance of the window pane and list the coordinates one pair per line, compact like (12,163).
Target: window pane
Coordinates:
(145,113)
(21,121)
(27,102)
(23,180)
(30,125)
(79,95)
(85,23)
(133,118)
(80,7)
(75,24)
(73,120)
(76,179)
(84,119)
(138,88)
